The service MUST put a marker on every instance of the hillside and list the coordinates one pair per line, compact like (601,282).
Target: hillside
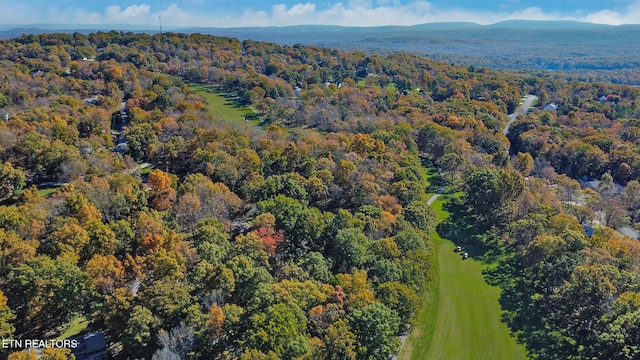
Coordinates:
(589,52)
(523,45)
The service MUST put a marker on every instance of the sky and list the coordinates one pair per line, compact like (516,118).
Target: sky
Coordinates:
(241,13)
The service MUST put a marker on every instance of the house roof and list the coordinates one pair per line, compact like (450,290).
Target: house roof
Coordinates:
(588,230)
(91,346)
(592,183)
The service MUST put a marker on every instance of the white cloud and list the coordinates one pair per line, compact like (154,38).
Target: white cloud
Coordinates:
(605,17)
(386,12)
(133,13)
(299,10)
(630,15)
(346,12)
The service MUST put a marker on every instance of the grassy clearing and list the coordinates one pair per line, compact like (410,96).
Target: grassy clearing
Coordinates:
(461,316)
(47,192)
(223,106)
(145,170)
(77,326)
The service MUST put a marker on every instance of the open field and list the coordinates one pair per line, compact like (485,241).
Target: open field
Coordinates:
(461,316)
(221,106)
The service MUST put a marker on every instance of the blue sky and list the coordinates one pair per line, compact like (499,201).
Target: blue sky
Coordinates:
(189,13)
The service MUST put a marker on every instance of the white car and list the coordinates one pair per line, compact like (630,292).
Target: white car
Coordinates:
(458,249)
(465,255)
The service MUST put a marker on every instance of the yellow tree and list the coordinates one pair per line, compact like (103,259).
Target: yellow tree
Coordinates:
(6,318)
(163,194)
(103,272)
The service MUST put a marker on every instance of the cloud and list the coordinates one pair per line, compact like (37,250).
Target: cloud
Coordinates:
(630,15)
(135,13)
(389,12)
(346,12)
(281,11)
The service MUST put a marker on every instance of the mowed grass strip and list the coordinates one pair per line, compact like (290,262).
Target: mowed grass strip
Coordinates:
(461,316)
(220,106)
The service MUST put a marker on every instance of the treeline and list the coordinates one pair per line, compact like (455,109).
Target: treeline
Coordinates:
(567,294)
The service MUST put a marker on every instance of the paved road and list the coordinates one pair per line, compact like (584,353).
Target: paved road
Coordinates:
(440,189)
(522,109)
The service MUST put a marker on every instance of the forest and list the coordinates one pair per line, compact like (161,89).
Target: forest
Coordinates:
(127,205)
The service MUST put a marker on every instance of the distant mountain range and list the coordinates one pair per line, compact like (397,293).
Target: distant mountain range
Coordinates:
(516,44)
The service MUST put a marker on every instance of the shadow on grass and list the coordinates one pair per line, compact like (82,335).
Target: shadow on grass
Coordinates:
(460,227)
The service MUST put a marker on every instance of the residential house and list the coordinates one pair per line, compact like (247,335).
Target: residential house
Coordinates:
(91,347)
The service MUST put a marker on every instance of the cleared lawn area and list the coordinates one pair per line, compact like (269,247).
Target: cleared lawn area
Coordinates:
(77,326)
(47,192)
(221,106)
(461,317)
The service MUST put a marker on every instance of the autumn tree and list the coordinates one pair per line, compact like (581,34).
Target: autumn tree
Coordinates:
(301,225)
(164,193)
(6,318)
(402,299)
(104,272)
(14,251)
(12,180)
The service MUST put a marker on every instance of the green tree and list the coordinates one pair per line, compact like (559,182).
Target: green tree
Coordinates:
(375,327)
(169,300)
(45,292)
(421,215)
(281,329)
(139,334)
(606,185)
(491,194)
(632,195)
(349,249)
(102,240)
(139,137)
(211,240)
(620,338)
(302,225)
(523,162)
(316,265)
(584,299)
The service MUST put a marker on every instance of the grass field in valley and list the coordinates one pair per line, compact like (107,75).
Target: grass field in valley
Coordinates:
(461,316)
(221,106)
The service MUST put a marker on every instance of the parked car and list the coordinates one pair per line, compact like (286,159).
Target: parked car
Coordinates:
(465,255)
(458,249)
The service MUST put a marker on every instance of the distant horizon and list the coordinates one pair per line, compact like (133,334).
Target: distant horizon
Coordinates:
(151,28)
(264,13)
